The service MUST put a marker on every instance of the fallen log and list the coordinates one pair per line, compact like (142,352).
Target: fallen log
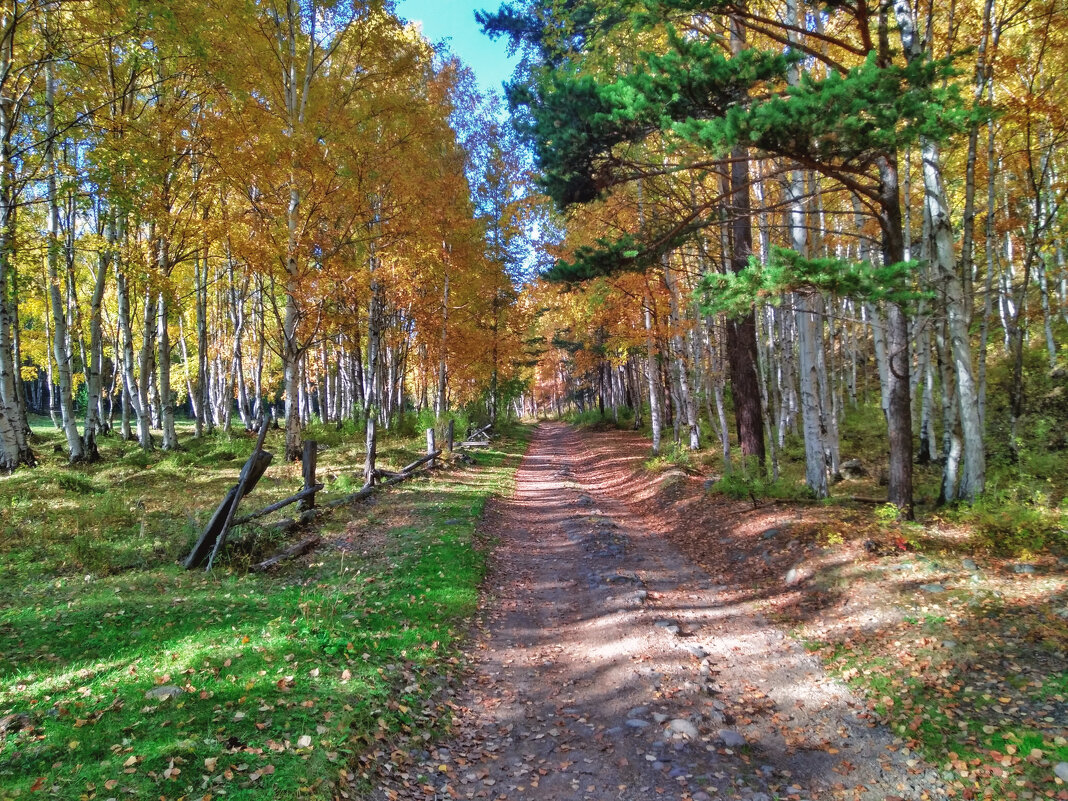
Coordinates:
(215,532)
(359,495)
(274,507)
(429,457)
(291,552)
(874,501)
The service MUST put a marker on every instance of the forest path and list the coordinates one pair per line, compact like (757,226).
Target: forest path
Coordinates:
(610,667)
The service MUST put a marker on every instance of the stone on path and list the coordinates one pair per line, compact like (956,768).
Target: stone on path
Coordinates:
(680,727)
(1061,771)
(730,738)
(636,723)
(932,588)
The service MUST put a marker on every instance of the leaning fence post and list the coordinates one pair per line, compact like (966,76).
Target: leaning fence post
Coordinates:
(311,449)
(430,444)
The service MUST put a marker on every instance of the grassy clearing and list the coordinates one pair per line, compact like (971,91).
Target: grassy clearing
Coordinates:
(131,678)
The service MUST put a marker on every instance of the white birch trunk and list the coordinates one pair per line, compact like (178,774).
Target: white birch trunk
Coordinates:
(652,374)
(60,339)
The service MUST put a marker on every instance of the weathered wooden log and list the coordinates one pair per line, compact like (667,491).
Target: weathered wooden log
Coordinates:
(480,433)
(431,445)
(209,542)
(473,443)
(274,507)
(428,458)
(291,552)
(308,468)
(214,534)
(359,495)
(390,479)
(286,523)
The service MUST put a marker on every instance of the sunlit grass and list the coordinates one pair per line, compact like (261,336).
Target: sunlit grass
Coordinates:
(283,677)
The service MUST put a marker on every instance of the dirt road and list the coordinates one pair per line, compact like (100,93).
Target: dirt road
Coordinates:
(612,667)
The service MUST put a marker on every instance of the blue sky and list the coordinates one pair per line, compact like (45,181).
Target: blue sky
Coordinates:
(454,21)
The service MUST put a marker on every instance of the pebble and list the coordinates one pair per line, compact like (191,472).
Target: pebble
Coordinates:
(663,624)
(1023,569)
(636,723)
(731,738)
(701,795)
(680,727)
(638,711)
(932,588)
(660,717)
(969,564)
(678,773)
(453,521)
(771,533)
(164,692)
(699,652)
(1061,771)
(793,576)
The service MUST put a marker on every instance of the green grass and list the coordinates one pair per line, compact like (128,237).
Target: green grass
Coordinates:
(285,677)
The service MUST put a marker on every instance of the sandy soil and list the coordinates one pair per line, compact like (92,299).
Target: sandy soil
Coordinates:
(611,666)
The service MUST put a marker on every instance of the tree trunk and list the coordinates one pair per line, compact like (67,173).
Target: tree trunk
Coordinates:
(147,366)
(652,373)
(439,400)
(133,397)
(374,314)
(686,395)
(166,393)
(60,336)
(93,378)
(899,412)
(741,333)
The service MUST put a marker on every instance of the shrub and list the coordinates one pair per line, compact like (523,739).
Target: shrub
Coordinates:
(1011,523)
(674,455)
(77,483)
(742,484)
